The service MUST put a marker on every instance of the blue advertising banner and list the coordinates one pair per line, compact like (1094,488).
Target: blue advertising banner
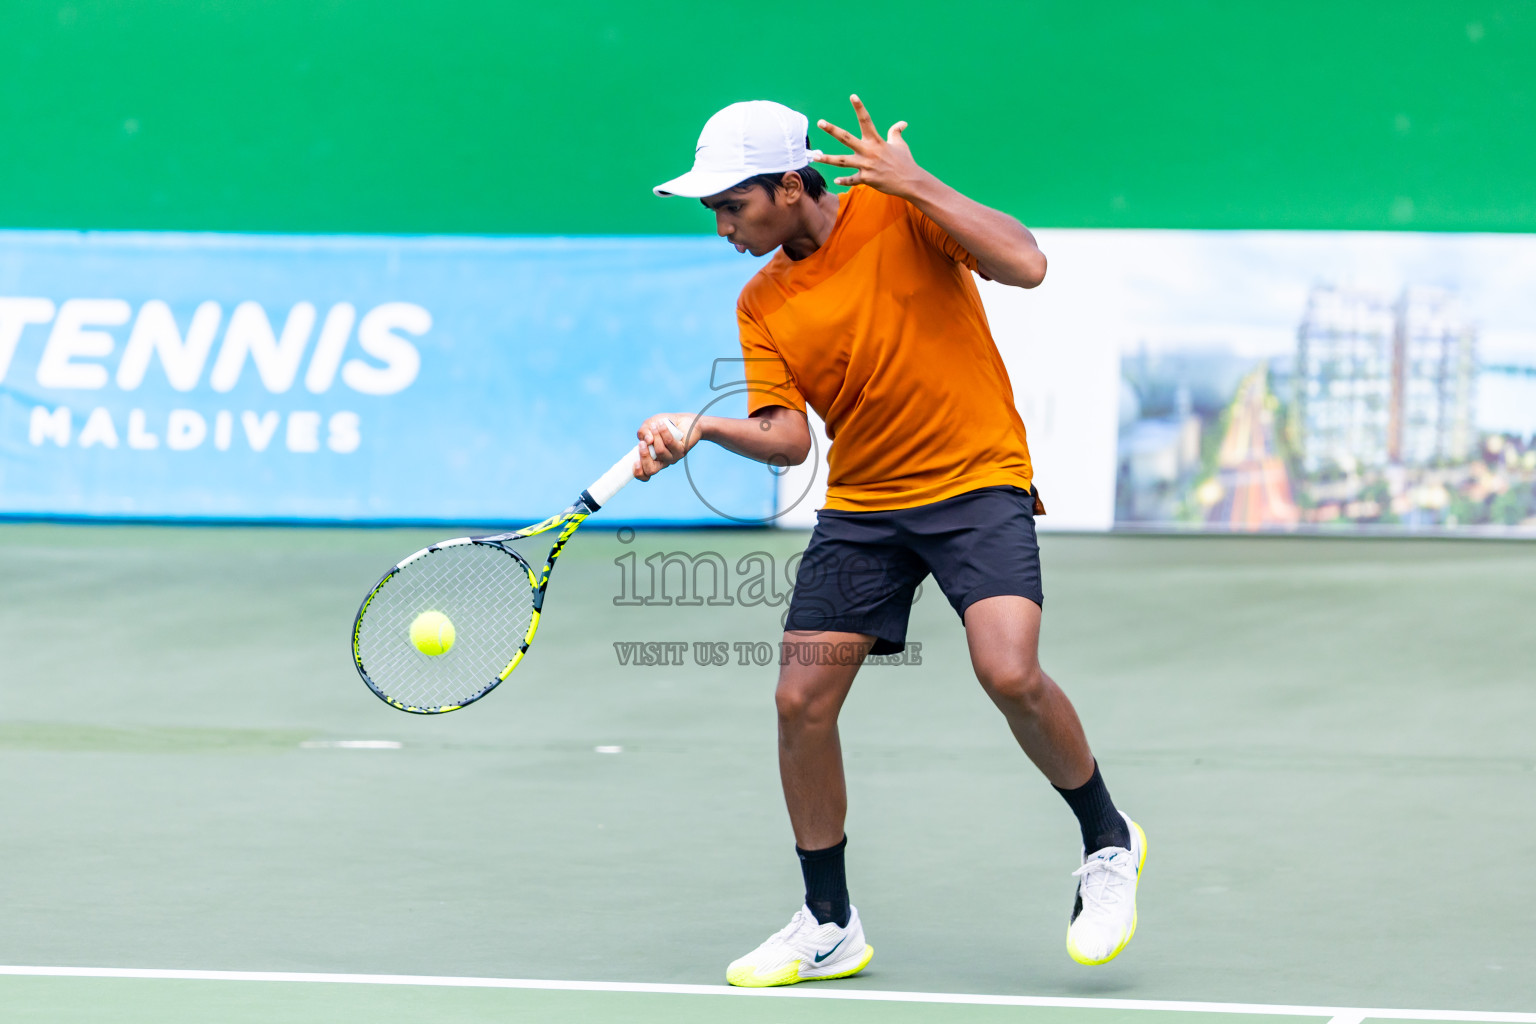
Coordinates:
(359,378)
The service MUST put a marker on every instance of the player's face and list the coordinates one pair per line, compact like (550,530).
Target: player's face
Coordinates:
(751,221)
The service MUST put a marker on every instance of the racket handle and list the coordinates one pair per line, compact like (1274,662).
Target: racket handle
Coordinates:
(603,489)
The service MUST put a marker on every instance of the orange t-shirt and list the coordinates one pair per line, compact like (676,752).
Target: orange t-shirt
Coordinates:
(882,332)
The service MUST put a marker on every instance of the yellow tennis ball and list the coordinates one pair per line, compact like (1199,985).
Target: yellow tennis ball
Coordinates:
(432,632)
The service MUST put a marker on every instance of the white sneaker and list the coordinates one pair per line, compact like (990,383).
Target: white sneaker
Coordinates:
(804,951)
(1104,915)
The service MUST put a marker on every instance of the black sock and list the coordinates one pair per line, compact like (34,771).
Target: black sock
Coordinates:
(826,885)
(1102,825)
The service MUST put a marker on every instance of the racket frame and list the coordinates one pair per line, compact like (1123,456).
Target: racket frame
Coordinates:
(566,522)
(594,497)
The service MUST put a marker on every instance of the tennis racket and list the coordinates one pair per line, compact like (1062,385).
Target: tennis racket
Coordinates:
(445,626)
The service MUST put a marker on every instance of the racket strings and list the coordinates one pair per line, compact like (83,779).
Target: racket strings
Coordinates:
(484,592)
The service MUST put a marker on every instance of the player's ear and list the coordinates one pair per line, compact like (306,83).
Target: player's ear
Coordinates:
(792,187)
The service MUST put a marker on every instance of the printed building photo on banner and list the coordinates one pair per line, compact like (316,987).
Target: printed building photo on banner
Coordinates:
(1323,381)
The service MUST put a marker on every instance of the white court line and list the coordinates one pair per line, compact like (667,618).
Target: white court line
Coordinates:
(1338,1014)
(351,744)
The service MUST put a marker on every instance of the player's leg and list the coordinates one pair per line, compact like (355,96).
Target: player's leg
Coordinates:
(825,938)
(815,673)
(982,550)
(1003,633)
(853,594)
(813,683)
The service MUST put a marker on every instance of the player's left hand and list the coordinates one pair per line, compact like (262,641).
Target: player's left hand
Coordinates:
(882,163)
(658,447)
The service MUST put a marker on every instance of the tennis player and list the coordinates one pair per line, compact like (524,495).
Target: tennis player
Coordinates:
(870,308)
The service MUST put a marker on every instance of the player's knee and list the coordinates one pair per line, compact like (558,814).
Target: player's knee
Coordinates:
(1018,686)
(801,707)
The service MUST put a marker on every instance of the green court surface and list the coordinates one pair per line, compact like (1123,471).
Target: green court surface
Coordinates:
(1328,741)
(57,999)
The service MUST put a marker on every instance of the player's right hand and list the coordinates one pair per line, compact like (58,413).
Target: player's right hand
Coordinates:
(659,448)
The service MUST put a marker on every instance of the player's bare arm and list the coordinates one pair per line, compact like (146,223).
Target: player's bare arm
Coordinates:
(1004,248)
(777,435)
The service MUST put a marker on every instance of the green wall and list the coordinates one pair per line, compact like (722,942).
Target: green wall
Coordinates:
(502,117)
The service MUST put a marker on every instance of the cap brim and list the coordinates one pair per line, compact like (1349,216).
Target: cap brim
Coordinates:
(697,184)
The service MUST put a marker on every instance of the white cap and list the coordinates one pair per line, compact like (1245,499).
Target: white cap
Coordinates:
(744,139)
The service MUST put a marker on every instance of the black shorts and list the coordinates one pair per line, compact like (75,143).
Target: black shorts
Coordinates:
(861,569)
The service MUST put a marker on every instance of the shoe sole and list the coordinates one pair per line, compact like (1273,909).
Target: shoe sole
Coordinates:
(1135,915)
(789,974)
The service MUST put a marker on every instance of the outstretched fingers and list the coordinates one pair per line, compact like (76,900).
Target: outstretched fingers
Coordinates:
(836,159)
(876,165)
(856,159)
(866,123)
(847,139)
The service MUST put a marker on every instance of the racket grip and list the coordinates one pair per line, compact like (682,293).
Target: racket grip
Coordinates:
(620,473)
